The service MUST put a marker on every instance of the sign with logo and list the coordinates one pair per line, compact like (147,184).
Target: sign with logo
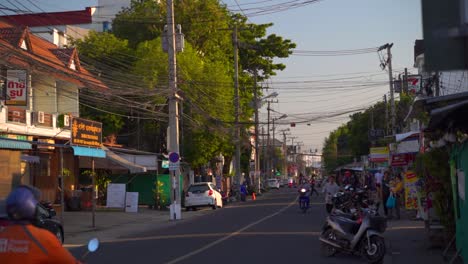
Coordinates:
(411,190)
(165,164)
(16,88)
(86,132)
(414,83)
(379,154)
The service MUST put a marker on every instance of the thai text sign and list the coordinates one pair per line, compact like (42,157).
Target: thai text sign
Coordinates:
(411,190)
(379,154)
(86,132)
(16,88)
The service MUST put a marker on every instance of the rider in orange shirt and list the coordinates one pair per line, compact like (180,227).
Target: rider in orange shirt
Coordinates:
(20,241)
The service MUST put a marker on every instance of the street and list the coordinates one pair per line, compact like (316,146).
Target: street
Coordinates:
(269,230)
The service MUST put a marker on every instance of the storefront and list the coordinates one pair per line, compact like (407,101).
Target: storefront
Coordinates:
(11,173)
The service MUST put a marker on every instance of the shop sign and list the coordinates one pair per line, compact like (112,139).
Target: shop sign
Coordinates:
(16,88)
(411,190)
(49,141)
(17,137)
(379,154)
(402,159)
(86,132)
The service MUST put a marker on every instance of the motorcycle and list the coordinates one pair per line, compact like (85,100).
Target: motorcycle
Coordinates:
(361,236)
(303,200)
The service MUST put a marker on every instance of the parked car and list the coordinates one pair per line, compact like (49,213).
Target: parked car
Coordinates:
(203,194)
(45,218)
(283,182)
(273,184)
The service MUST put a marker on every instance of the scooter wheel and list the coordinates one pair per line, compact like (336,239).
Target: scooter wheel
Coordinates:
(373,251)
(327,250)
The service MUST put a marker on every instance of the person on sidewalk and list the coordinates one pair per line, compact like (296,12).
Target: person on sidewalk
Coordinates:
(397,190)
(385,191)
(22,242)
(330,188)
(243,191)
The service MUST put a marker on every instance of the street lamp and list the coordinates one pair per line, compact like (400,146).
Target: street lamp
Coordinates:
(257,102)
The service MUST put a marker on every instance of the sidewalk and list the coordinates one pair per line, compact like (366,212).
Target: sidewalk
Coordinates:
(114,224)
(408,242)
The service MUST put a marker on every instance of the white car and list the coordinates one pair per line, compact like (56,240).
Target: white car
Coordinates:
(202,194)
(273,184)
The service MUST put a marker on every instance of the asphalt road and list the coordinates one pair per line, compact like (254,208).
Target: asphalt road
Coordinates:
(270,230)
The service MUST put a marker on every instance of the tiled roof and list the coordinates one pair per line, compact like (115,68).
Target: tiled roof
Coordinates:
(45,56)
(12,35)
(51,19)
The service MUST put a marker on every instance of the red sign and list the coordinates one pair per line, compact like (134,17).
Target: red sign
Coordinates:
(402,159)
(410,175)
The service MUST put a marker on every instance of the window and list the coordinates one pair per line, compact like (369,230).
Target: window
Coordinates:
(198,188)
(45,165)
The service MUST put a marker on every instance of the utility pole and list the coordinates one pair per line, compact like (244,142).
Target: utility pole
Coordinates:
(257,136)
(437,87)
(268,172)
(405,82)
(390,77)
(386,114)
(285,155)
(264,153)
(237,103)
(273,153)
(175,212)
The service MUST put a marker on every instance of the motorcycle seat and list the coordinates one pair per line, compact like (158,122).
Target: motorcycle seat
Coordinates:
(347,224)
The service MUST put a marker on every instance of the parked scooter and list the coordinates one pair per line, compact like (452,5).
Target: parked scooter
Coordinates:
(361,236)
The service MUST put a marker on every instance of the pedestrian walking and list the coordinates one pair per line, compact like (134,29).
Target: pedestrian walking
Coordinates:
(330,188)
(312,187)
(385,191)
(397,191)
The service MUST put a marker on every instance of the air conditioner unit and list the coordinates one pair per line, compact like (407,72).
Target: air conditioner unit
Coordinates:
(40,117)
(66,120)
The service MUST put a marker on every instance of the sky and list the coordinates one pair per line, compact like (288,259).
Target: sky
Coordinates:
(312,88)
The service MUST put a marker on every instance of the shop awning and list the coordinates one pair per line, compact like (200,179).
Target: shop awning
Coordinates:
(89,152)
(30,159)
(132,167)
(14,144)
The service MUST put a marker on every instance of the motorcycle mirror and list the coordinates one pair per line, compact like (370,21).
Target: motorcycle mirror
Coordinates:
(93,245)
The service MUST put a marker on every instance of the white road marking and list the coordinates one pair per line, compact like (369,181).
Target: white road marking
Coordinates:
(216,242)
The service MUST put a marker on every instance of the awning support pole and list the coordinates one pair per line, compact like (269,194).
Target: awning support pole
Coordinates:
(93,195)
(62,189)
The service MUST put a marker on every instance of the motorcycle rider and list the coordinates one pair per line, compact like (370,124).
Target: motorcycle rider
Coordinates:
(22,242)
(305,195)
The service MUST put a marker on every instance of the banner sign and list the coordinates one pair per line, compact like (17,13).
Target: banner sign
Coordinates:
(379,154)
(86,132)
(402,159)
(16,88)
(411,190)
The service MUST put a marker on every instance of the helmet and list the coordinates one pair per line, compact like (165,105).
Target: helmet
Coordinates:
(21,203)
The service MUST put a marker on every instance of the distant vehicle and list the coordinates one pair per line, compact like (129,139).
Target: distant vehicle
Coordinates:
(203,194)
(273,184)
(45,219)
(283,182)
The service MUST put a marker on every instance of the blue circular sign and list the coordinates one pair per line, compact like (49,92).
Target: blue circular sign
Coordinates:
(174,157)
